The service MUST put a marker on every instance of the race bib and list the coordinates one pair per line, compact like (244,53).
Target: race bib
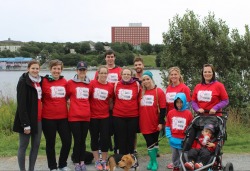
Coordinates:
(178,123)
(125,94)
(100,94)
(112,77)
(58,92)
(82,93)
(204,96)
(147,100)
(170,97)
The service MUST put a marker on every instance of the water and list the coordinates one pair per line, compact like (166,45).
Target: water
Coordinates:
(9,79)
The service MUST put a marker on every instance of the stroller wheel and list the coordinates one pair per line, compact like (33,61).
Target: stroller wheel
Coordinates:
(229,167)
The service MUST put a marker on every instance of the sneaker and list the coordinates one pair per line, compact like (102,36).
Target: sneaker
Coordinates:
(53,170)
(83,167)
(64,169)
(189,165)
(176,169)
(78,167)
(170,166)
(98,165)
(198,165)
(104,165)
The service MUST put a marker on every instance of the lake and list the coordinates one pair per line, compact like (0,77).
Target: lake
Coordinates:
(9,79)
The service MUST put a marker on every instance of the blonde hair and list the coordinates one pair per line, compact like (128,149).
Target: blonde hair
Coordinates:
(127,68)
(177,69)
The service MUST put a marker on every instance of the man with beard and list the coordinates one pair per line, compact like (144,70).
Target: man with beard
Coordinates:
(138,67)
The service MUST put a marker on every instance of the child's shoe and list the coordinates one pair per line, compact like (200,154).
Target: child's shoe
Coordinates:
(176,169)
(189,165)
(198,165)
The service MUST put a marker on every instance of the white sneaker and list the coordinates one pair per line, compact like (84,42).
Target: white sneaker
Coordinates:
(53,170)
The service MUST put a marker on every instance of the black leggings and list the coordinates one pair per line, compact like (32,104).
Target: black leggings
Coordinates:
(79,131)
(151,139)
(50,128)
(125,129)
(99,132)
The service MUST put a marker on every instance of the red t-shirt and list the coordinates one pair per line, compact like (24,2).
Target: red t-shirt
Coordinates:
(208,95)
(99,100)
(148,110)
(126,100)
(178,121)
(54,99)
(79,109)
(39,101)
(172,91)
(114,74)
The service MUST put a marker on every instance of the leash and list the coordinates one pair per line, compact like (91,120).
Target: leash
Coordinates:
(163,136)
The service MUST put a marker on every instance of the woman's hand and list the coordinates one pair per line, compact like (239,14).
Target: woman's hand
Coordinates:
(159,127)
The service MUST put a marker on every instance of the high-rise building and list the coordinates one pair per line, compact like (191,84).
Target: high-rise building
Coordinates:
(134,34)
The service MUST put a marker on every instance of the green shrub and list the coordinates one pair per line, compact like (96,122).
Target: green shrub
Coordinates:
(7,110)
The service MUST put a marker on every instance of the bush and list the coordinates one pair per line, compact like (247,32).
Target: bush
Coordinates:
(7,110)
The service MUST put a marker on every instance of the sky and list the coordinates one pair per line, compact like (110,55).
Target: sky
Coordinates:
(84,20)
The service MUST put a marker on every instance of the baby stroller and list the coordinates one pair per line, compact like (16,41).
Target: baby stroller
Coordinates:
(220,135)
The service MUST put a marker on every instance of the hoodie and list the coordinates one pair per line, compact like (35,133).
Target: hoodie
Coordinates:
(177,122)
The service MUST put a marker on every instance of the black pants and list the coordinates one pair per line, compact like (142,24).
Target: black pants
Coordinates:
(125,130)
(79,131)
(151,139)
(199,155)
(50,128)
(99,133)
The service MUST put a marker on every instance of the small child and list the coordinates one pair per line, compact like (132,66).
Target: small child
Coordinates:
(177,122)
(201,150)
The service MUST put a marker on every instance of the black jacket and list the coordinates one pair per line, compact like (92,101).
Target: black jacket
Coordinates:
(27,105)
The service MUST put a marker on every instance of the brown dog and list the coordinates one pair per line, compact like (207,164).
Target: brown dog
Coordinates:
(123,161)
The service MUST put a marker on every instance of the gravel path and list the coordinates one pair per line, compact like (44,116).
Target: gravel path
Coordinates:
(240,162)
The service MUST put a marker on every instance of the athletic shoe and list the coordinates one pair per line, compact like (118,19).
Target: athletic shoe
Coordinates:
(104,165)
(78,167)
(176,169)
(170,166)
(83,167)
(198,165)
(189,165)
(98,165)
(53,170)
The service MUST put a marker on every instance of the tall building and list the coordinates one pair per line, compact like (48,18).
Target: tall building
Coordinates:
(134,34)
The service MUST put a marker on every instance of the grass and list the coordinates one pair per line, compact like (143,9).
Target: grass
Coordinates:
(149,60)
(238,134)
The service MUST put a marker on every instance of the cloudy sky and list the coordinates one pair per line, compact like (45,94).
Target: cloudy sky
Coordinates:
(81,20)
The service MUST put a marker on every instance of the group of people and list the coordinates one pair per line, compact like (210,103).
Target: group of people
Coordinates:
(117,103)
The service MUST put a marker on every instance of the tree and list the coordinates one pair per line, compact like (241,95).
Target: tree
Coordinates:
(157,48)
(147,48)
(190,43)
(99,47)
(84,47)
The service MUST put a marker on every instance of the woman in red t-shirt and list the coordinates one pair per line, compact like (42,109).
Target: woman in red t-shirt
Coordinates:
(100,104)
(126,111)
(78,91)
(55,115)
(152,113)
(209,96)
